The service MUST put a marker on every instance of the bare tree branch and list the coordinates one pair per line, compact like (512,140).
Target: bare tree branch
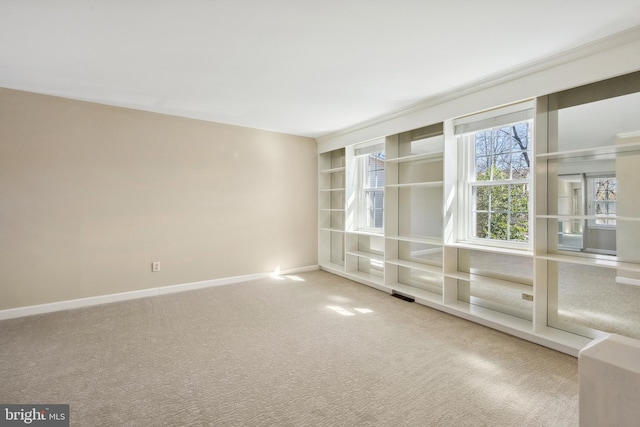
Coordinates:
(520,143)
(522,146)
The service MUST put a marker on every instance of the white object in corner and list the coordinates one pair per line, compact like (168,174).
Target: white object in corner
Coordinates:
(609,370)
(627,281)
(13,313)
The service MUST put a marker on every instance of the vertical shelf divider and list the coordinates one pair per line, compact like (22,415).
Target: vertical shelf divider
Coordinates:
(450,231)
(331,212)
(540,272)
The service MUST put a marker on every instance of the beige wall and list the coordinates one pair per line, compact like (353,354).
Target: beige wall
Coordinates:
(90,195)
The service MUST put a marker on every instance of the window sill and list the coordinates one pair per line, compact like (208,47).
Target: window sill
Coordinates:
(525,252)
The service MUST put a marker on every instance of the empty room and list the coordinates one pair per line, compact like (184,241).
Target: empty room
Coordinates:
(299,213)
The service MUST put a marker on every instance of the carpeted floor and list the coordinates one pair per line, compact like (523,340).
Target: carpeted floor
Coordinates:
(307,350)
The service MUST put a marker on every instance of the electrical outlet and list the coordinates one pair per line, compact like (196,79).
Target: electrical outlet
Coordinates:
(155,266)
(527,297)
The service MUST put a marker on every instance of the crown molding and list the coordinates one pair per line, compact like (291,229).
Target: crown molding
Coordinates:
(527,69)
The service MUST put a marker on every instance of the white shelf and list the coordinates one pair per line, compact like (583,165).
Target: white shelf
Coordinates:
(587,217)
(436,241)
(332,210)
(369,255)
(589,152)
(476,278)
(332,189)
(496,319)
(334,170)
(416,266)
(366,233)
(367,277)
(434,157)
(593,262)
(417,184)
(565,342)
(333,230)
(493,249)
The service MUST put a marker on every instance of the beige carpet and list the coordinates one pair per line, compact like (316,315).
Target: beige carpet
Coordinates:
(273,353)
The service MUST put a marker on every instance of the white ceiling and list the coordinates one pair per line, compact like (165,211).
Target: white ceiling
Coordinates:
(305,67)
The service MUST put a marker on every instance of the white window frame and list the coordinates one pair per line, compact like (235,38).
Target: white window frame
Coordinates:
(465,131)
(362,155)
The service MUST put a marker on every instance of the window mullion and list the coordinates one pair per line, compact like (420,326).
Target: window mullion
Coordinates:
(509,213)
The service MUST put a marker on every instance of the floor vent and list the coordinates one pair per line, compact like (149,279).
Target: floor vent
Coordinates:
(403,297)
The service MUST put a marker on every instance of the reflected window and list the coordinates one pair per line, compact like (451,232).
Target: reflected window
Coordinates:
(602,200)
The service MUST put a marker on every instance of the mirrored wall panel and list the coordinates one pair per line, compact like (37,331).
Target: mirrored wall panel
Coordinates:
(584,298)
(422,253)
(579,125)
(497,281)
(423,215)
(593,203)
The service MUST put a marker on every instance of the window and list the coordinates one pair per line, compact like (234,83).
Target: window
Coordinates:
(602,191)
(496,178)
(370,187)
(374,190)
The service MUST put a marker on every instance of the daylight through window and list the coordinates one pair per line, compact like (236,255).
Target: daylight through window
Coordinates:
(498,180)
(602,200)
(373,190)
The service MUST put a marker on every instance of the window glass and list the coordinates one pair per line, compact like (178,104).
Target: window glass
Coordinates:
(500,159)
(372,191)
(603,200)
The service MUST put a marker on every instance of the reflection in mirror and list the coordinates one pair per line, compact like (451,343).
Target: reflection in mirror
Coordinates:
(593,207)
(371,266)
(593,297)
(424,218)
(587,196)
(422,253)
(420,171)
(500,266)
(596,124)
(512,290)
(506,300)
(426,140)
(571,202)
(420,279)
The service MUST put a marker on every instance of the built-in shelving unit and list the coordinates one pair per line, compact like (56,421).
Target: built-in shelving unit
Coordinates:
(605,151)
(538,291)
(365,256)
(331,205)
(601,261)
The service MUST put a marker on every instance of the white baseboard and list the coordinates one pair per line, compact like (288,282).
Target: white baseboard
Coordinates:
(31,310)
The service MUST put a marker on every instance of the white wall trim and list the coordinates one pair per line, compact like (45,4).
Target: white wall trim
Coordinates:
(543,73)
(13,313)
